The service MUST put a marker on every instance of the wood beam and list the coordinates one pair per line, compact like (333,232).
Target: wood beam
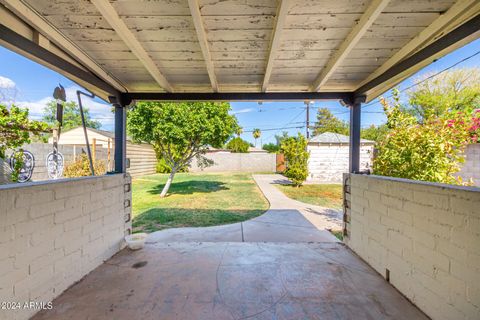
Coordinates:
(202,40)
(458,9)
(345,97)
(43,27)
(459,36)
(280,18)
(374,9)
(111,16)
(34,51)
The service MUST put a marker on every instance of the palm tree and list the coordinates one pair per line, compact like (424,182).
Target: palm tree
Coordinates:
(256,134)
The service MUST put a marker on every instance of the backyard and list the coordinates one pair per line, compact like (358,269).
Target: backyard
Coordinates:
(324,195)
(195,200)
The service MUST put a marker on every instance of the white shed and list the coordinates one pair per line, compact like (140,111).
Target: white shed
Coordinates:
(329,157)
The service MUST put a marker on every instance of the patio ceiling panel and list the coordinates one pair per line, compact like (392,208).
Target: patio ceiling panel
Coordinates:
(312,34)
(81,22)
(396,25)
(238,34)
(247,45)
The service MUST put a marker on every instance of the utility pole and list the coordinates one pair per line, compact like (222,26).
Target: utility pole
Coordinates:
(307,104)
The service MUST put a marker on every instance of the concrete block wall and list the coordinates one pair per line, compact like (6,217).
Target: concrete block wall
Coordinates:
(471,167)
(426,235)
(238,162)
(55,232)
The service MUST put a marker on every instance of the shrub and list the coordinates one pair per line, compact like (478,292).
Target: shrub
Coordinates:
(81,168)
(271,147)
(296,156)
(238,145)
(427,151)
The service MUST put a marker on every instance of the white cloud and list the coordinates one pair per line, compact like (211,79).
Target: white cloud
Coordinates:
(98,111)
(6,83)
(8,90)
(242,111)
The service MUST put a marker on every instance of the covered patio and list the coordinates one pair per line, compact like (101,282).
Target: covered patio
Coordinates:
(411,248)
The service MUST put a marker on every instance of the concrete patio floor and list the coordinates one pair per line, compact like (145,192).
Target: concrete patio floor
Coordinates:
(233,281)
(281,265)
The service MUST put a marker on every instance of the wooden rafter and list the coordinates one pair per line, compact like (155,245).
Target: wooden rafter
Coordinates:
(111,16)
(202,39)
(460,8)
(374,9)
(44,28)
(275,42)
(454,39)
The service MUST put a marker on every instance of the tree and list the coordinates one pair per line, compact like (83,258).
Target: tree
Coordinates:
(181,132)
(453,90)
(374,133)
(428,150)
(296,156)
(71,115)
(275,147)
(280,138)
(16,130)
(327,122)
(271,147)
(256,134)
(238,145)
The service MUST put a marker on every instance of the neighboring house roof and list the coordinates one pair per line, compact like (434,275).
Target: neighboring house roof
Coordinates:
(335,138)
(76,136)
(107,134)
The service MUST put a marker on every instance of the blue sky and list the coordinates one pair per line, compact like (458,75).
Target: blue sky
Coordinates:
(31,85)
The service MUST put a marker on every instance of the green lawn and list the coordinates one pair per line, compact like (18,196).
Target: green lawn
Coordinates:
(195,200)
(325,195)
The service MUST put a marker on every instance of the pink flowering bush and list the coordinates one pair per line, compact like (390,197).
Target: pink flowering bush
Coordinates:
(431,150)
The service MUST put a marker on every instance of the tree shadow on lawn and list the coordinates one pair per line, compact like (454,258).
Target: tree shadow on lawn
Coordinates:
(190,187)
(164,218)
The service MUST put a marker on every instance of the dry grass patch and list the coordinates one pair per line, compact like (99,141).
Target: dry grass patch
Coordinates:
(324,195)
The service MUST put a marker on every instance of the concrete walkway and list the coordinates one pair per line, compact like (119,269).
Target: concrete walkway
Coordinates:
(287,220)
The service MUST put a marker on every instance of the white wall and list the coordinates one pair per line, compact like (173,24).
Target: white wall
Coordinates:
(328,163)
(471,167)
(54,233)
(77,137)
(427,235)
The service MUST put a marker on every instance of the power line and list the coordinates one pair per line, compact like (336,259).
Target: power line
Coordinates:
(428,78)
(288,123)
(277,129)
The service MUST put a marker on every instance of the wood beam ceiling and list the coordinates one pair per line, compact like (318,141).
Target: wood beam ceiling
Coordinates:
(459,9)
(461,35)
(34,51)
(374,9)
(202,39)
(30,16)
(111,16)
(280,18)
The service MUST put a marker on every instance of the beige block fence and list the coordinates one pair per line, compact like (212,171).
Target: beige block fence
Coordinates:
(422,237)
(53,233)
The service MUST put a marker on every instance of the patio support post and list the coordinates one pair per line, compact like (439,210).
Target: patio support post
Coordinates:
(120,135)
(355,125)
